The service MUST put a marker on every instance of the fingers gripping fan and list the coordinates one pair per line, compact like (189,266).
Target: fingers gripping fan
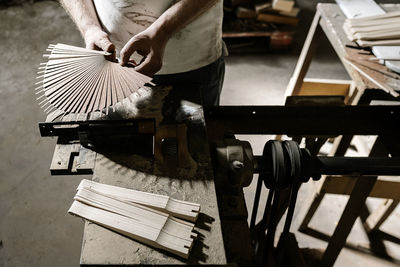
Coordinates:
(79,80)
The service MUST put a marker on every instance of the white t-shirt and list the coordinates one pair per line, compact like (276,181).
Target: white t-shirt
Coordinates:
(196,45)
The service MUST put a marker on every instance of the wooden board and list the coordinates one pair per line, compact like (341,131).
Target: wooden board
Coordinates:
(194,183)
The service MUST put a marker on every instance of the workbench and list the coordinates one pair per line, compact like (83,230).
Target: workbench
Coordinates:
(328,21)
(193,181)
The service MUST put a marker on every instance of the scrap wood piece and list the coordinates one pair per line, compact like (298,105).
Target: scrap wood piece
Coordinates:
(79,80)
(262,7)
(283,5)
(369,61)
(269,18)
(245,13)
(166,236)
(375,66)
(178,208)
(375,77)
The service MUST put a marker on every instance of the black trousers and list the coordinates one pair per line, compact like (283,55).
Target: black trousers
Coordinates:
(207,80)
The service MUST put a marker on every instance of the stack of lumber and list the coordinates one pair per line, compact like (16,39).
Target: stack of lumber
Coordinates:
(259,25)
(272,12)
(142,216)
(378,30)
(79,80)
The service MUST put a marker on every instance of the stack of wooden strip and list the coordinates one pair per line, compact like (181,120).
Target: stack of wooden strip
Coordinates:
(116,208)
(374,30)
(79,80)
(372,70)
(178,208)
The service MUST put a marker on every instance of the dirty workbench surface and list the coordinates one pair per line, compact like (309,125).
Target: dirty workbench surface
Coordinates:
(332,19)
(193,182)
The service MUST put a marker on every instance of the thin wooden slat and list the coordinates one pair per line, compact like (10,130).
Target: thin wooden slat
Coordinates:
(86,89)
(67,93)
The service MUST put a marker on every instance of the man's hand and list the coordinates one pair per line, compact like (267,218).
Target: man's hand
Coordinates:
(151,42)
(84,15)
(97,39)
(151,46)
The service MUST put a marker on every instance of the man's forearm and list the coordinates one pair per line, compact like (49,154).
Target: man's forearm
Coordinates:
(179,15)
(83,13)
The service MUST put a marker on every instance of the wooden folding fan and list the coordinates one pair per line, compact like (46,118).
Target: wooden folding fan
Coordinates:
(79,80)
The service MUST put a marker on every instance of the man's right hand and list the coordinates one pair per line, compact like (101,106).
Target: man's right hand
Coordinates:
(97,39)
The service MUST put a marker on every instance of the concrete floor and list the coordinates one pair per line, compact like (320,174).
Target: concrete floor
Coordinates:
(35,229)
